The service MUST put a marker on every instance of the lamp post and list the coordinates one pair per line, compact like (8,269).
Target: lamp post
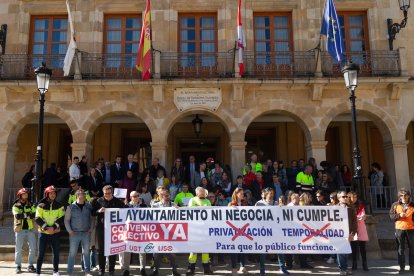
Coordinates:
(43,75)
(394,28)
(197,122)
(350,71)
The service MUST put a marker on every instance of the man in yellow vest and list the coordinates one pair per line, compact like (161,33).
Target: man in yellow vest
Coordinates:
(198,201)
(49,216)
(24,213)
(304,180)
(256,166)
(72,194)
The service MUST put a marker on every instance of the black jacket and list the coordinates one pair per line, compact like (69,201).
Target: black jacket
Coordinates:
(117,174)
(101,202)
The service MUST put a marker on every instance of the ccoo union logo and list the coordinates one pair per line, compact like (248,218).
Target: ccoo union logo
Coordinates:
(149,247)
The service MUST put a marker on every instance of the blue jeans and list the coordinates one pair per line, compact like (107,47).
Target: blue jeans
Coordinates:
(92,259)
(82,238)
(342,261)
(280,259)
(31,240)
(54,241)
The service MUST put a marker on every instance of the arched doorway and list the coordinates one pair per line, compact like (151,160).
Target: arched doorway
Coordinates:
(122,134)
(339,151)
(213,141)
(57,140)
(275,136)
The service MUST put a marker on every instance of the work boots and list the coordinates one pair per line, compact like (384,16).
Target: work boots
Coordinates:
(207,269)
(190,270)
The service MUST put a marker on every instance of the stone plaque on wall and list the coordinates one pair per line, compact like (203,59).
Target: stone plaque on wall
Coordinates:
(208,98)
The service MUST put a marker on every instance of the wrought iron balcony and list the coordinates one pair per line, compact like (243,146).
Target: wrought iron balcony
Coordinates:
(371,63)
(108,66)
(279,65)
(21,66)
(197,65)
(171,65)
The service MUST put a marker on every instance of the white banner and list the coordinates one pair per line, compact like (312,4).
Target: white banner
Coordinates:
(298,229)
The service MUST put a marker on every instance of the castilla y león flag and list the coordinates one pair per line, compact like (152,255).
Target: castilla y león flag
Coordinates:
(144,50)
(241,40)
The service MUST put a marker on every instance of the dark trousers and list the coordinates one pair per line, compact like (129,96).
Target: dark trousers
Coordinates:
(236,257)
(101,256)
(402,237)
(170,256)
(44,240)
(361,245)
(302,260)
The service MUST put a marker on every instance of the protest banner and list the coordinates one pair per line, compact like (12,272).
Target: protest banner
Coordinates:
(295,229)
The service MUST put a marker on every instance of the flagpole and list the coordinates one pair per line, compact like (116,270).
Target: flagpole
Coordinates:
(318,46)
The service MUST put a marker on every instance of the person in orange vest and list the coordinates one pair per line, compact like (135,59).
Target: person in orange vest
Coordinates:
(402,213)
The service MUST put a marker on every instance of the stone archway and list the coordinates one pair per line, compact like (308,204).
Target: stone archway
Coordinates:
(378,116)
(22,116)
(117,129)
(120,108)
(19,146)
(214,140)
(378,135)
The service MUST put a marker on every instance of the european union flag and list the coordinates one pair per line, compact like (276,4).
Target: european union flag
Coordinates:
(330,28)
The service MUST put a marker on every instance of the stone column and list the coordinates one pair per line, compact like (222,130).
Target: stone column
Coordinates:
(373,247)
(396,159)
(318,58)
(7,157)
(238,152)
(157,65)
(80,149)
(317,150)
(159,149)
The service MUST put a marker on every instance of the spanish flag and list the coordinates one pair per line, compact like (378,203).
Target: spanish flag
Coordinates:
(144,50)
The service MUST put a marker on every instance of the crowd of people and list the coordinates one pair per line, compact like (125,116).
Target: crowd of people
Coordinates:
(204,183)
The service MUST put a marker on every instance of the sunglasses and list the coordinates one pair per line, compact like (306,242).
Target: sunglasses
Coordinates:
(344,196)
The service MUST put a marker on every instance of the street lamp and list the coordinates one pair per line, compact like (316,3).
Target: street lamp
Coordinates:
(394,28)
(43,75)
(350,71)
(197,122)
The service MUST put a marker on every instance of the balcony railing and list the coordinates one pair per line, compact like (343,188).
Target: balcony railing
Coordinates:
(279,64)
(197,65)
(170,65)
(21,66)
(371,63)
(108,66)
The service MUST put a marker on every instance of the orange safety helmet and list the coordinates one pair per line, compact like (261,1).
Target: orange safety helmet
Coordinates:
(22,191)
(50,189)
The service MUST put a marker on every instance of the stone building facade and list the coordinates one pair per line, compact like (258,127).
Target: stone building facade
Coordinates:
(289,108)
